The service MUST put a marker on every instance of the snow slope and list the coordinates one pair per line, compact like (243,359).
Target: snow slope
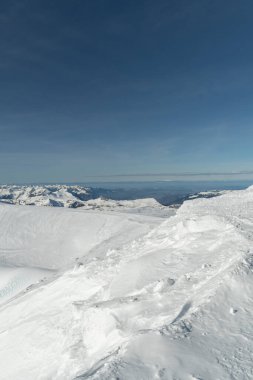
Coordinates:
(38,242)
(153,298)
(146,206)
(53,238)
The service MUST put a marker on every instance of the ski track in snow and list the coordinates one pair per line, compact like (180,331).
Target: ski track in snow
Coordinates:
(130,296)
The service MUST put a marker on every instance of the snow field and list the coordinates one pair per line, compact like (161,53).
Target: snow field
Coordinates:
(149,299)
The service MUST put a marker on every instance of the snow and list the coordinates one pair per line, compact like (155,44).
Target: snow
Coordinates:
(146,206)
(79,197)
(53,238)
(208,194)
(45,195)
(147,298)
(14,280)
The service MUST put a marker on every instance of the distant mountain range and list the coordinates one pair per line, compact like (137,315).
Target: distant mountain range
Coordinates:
(79,197)
(74,196)
(46,195)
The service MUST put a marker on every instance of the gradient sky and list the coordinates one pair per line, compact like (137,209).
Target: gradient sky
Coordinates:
(108,87)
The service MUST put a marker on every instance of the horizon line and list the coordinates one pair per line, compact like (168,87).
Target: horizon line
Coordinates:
(172,174)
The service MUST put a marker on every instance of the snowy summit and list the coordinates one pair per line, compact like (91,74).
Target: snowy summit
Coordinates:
(88,294)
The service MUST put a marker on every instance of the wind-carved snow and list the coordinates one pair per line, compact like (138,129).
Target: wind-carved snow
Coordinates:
(14,280)
(147,298)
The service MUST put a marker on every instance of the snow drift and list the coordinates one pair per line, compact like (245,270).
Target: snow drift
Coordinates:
(149,299)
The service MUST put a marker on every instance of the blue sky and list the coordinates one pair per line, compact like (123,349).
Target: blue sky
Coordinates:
(101,88)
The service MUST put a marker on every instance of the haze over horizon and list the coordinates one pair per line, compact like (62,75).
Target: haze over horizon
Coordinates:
(108,89)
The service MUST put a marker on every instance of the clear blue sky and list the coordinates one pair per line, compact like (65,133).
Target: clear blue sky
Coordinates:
(108,87)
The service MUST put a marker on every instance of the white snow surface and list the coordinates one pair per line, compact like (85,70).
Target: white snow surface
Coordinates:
(147,298)
(146,206)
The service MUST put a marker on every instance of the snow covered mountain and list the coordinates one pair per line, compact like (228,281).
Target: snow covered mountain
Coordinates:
(146,206)
(46,195)
(78,196)
(88,294)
